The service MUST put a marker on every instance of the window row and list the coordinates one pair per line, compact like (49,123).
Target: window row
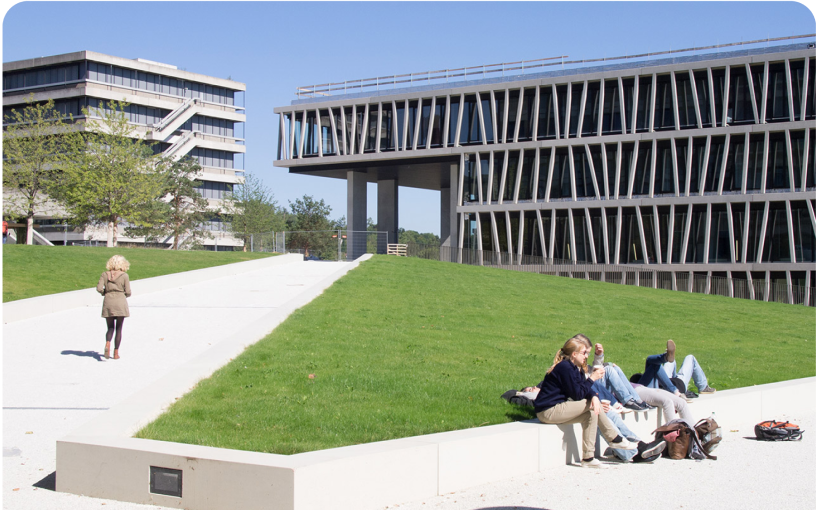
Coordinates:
(716,164)
(41,76)
(210,125)
(138,114)
(745,94)
(215,189)
(216,158)
(764,232)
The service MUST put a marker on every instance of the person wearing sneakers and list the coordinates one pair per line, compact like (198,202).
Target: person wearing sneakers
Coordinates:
(660,368)
(114,285)
(567,396)
(615,381)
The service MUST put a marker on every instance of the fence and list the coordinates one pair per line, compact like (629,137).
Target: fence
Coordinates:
(326,245)
(693,282)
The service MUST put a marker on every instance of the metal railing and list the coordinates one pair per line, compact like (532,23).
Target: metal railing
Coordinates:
(694,282)
(473,72)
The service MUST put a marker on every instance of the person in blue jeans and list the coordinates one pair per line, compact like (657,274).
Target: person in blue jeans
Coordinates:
(659,368)
(614,379)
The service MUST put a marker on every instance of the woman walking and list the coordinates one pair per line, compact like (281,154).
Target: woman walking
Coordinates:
(567,396)
(114,285)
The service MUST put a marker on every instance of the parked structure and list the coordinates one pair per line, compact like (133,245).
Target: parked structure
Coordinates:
(701,165)
(185,113)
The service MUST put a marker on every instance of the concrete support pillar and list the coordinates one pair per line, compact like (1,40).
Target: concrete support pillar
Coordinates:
(355,214)
(386,213)
(449,228)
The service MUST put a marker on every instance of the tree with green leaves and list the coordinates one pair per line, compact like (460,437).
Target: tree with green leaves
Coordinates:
(180,211)
(112,174)
(251,209)
(34,148)
(310,226)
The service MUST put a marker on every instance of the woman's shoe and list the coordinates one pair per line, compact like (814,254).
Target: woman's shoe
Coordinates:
(116,353)
(592,463)
(107,354)
(624,444)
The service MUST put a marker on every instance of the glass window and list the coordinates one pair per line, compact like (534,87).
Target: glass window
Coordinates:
(627,155)
(648,222)
(755,225)
(526,121)
(561,99)
(561,244)
(598,168)
(598,234)
(611,120)
(810,94)
(560,183)
(702,89)
(738,223)
(470,176)
(499,104)
(630,251)
(686,101)
(740,99)
(697,235)
(733,173)
(754,171)
(798,142)
(810,161)
(499,162)
(663,231)
(719,82)
(629,99)
(776,243)
(412,124)
(575,107)
(664,114)
(678,231)
(501,231)
(547,116)
(485,100)
(544,167)
(777,104)
(582,237)
(513,104)
(485,228)
(713,169)
(510,178)
(425,119)
(485,171)
(584,179)
(531,244)
(610,155)
(612,234)
(777,170)
(591,109)
(526,183)
(664,176)
(797,69)
(401,116)
(642,120)
(719,251)
(803,232)
(327,141)
(681,148)
(350,144)
(312,134)
(387,129)
(641,185)
(470,131)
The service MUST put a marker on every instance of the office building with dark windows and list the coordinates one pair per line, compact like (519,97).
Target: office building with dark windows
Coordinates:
(695,169)
(184,113)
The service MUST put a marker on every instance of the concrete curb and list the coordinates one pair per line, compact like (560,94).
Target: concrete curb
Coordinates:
(37,306)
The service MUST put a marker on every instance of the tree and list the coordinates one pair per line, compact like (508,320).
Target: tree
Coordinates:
(181,210)
(251,209)
(111,176)
(307,219)
(34,146)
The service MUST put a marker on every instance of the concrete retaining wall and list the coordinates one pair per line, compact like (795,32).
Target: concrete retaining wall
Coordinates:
(37,306)
(101,461)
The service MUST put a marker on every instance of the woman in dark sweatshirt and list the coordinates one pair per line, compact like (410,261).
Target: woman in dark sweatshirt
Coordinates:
(567,396)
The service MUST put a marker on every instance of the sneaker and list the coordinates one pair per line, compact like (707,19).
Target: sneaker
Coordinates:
(592,463)
(691,394)
(624,444)
(648,451)
(634,406)
(670,351)
(707,390)
(679,395)
(620,408)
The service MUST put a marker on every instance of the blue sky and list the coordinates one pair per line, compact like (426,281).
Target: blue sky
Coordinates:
(274,47)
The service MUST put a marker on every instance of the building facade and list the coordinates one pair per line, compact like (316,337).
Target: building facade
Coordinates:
(184,113)
(698,165)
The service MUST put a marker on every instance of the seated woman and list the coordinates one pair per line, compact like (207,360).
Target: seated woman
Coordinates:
(659,368)
(567,396)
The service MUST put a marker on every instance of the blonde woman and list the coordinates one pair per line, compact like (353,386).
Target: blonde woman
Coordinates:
(567,396)
(114,285)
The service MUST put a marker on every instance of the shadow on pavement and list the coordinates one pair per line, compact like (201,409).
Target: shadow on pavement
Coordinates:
(86,353)
(49,482)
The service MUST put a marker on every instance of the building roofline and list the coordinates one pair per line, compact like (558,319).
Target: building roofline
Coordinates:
(141,65)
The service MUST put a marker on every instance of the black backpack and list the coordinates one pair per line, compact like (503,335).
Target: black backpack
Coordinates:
(777,431)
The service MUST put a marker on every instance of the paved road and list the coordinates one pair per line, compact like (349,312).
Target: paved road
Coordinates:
(54,379)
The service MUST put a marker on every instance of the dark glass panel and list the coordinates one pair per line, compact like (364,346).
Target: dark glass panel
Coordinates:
(664,114)
(327,141)
(678,230)
(499,162)
(663,231)
(610,155)
(485,100)
(739,110)
(611,120)
(754,171)
(544,167)
(810,93)
(591,109)
(312,134)
(547,224)
(470,176)
(648,222)
(560,183)
(664,175)
(776,243)
(641,184)
(719,236)
(452,121)
(510,178)
(582,237)
(371,133)
(777,167)
(733,173)
(629,90)
(803,232)
(501,231)
(425,119)
(755,225)
(499,103)
(598,234)
(575,107)
(561,97)
(702,89)
(681,148)
(546,128)
(642,119)
(526,121)
(697,235)
(339,129)
(485,171)
(401,116)
(584,180)
(627,150)
(713,168)
(757,83)
(526,183)
(598,168)
(469,131)
(686,101)
(610,218)
(513,236)
(513,104)
(531,245)
(738,223)
(438,123)
(719,82)
(777,102)
(812,150)
(561,245)
(798,143)
(630,251)
(469,240)
(797,69)
(486,231)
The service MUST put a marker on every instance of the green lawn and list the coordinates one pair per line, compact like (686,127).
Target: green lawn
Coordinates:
(34,270)
(402,347)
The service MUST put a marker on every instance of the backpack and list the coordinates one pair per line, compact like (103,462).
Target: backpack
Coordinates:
(709,434)
(685,445)
(777,431)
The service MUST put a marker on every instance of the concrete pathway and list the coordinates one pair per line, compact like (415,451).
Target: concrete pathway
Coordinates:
(54,379)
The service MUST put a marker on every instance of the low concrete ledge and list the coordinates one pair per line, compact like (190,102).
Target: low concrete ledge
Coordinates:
(47,304)
(110,465)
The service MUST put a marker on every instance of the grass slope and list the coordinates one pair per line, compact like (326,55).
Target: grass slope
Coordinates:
(34,270)
(402,347)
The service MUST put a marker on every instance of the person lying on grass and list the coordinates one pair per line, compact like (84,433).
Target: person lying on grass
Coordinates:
(660,369)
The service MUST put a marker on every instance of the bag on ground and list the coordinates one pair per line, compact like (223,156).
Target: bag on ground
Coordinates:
(777,431)
(709,434)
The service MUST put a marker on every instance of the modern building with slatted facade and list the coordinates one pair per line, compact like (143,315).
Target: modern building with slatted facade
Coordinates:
(183,113)
(699,166)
